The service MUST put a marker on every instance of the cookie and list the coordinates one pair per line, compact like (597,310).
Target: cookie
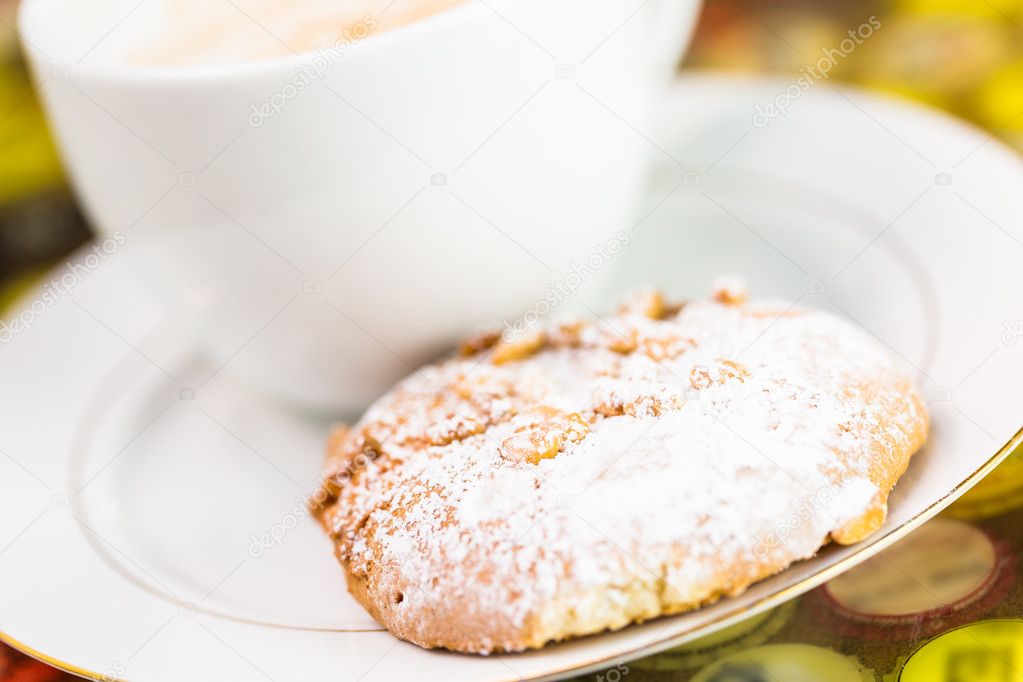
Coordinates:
(595,473)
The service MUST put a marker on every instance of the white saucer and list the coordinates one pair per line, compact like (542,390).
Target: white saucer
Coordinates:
(139,486)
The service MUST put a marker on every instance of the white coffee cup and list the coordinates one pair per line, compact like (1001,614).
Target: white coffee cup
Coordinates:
(335,218)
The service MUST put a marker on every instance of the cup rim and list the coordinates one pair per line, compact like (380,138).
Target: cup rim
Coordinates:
(463,11)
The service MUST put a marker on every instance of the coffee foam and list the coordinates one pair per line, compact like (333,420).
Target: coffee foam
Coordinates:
(218,32)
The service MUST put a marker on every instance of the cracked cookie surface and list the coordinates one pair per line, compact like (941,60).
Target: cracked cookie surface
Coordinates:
(595,473)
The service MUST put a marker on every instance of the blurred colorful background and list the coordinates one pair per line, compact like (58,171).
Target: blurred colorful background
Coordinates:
(962,56)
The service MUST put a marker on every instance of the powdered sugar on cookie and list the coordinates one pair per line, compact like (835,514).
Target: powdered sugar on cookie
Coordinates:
(614,470)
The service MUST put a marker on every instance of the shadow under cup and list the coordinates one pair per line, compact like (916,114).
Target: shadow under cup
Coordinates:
(330,220)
